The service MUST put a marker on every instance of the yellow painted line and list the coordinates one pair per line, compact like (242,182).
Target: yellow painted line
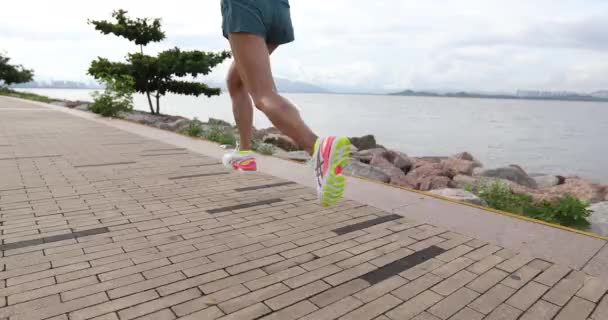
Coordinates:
(500,212)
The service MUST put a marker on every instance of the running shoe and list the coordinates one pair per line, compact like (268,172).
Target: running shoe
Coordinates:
(243,161)
(330,156)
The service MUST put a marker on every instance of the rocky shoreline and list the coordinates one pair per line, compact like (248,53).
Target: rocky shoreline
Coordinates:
(446,176)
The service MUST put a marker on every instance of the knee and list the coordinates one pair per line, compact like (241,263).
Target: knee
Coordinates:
(265,101)
(234,83)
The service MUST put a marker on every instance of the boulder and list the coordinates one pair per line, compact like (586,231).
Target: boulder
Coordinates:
(364,143)
(455,166)
(399,160)
(579,188)
(599,218)
(366,155)
(259,135)
(175,125)
(219,122)
(282,141)
(359,169)
(461,181)
(459,195)
(548,181)
(512,173)
(477,171)
(435,182)
(83,107)
(301,156)
(379,161)
(464,156)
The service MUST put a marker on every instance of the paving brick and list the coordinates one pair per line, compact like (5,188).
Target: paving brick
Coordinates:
(312,276)
(177,285)
(593,289)
(337,293)
(349,274)
(30,306)
(374,308)
(47,273)
(561,293)
(202,264)
(380,289)
(467,314)
(164,314)
(391,257)
(252,312)
(101,287)
(454,253)
(453,303)
(367,256)
(304,249)
(454,283)
(601,311)
(415,306)
(527,295)
(485,264)
(504,312)
(553,275)
(335,248)
(297,295)
(366,246)
(487,280)
(145,285)
(208,267)
(417,286)
(422,316)
(422,269)
(482,252)
(451,268)
(327,260)
(134,269)
(210,313)
(334,310)
(541,310)
(269,251)
(421,245)
(94,270)
(4,292)
(231,281)
(210,300)
(492,299)
(520,277)
(50,290)
(110,306)
(61,308)
(295,311)
(514,263)
(540,264)
(286,264)
(576,309)
(248,299)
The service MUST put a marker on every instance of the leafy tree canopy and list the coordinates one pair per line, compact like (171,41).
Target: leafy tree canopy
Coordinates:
(12,74)
(140,30)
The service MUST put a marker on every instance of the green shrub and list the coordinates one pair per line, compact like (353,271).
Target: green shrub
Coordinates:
(221,135)
(567,211)
(194,128)
(24,95)
(263,148)
(115,99)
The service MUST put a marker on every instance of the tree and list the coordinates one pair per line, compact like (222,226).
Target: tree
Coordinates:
(155,74)
(12,74)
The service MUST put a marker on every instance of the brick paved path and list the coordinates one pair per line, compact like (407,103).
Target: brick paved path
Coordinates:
(102,224)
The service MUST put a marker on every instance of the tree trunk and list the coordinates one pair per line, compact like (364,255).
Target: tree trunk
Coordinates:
(157,103)
(150,101)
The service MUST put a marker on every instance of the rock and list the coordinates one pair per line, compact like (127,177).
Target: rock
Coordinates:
(462,181)
(512,173)
(301,156)
(455,166)
(175,125)
(364,143)
(281,141)
(548,181)
(83,107)
(366,155)
(399,160)
(379,161)
(356,168)
(404,181)
(464,156)
(477,171)
(218,122)
(599,218)
(460,195)
(580,188)
(435,182)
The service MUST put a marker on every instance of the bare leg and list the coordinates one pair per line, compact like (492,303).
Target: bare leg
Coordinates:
(242,106)
(251,57)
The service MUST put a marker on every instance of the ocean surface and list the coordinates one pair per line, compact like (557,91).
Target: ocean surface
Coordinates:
(569,138)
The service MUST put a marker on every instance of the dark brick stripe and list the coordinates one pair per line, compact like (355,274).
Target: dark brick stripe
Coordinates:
(244,205)
(201,165)
(104,164)
(61,237)
(395,268)
(199,175)
(160,150)
(33,157)
(163,154)
(265,186)
(366,224)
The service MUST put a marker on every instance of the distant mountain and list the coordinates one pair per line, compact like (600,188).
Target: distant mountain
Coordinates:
(284,85)
(59,84)
(600,94)
(521,94)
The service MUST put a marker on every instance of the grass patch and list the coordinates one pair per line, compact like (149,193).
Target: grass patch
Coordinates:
(220,134)
(24,95)
(566,211)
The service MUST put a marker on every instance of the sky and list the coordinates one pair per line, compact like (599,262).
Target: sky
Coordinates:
(347,45)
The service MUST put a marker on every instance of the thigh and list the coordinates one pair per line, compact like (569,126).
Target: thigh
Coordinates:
(252,61)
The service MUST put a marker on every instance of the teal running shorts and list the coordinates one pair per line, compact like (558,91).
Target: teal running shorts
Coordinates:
(269,19)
